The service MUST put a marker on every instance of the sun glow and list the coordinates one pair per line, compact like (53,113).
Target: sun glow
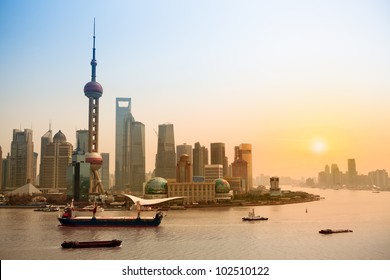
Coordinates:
(318,146)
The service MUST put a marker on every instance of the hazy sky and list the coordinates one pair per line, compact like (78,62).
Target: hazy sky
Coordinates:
(307,83)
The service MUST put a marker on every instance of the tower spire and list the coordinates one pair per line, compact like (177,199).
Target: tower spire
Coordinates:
(93,61)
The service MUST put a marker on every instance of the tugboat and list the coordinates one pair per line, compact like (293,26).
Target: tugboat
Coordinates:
(252,217)
(330,231)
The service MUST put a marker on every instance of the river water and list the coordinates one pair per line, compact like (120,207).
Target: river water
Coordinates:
(291,233)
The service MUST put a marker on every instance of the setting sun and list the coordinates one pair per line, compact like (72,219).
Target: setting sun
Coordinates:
(318,146)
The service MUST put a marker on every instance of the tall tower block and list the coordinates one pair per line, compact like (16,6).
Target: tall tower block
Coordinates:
(93,90)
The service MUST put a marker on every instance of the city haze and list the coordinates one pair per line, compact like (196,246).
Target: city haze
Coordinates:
(306,83)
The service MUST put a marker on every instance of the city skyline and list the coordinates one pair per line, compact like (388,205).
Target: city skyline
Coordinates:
(304,83)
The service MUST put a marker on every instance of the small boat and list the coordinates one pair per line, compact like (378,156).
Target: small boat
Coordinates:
(91,244)
(330,231)
(252,217)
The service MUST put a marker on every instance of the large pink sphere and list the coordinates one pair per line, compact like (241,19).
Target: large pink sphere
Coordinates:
(95,159)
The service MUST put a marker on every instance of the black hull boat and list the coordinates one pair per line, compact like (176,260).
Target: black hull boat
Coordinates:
(111,221)
(330,231)
(91,244)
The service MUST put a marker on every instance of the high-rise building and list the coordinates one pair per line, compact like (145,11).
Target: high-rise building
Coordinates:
(335,175)
(93,90)
(240,169)
(200,159)
(123,121)
(22,158)
(184,149)
(352,173)
(184,169)
(137,157)
(6,177)
(105,170)
(166,156)
(213,172)
(242,165)
(57,157)
(129,148)
(217,151)
(45,139)
(82,136)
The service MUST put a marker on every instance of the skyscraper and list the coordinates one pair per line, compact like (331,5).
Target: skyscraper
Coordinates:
(22,158)
(129,148)
(45,139)
(82,136)
(217,151)
(166,156)
(184,169)
(137,157)
(57,157)
(200,159)
(122,141)
(93,90)
(105,170)
(243,153)
(352,173)
(184,149)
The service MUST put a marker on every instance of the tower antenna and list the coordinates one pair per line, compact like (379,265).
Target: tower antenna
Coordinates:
(93,61)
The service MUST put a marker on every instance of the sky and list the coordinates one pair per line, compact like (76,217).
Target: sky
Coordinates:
(305,82)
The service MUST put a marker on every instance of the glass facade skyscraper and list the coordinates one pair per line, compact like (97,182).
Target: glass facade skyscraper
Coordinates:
(137,157)
(22,158)
(166,156)
(122,140)
(217,151)
(129,148)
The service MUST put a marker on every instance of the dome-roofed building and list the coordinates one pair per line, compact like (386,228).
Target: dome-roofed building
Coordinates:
(222,190)
(156,187)
(59,137)
(221,186)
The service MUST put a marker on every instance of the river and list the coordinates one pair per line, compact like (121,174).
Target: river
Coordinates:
(291,233)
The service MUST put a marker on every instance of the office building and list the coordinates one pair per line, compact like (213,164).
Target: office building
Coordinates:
(200,159)
(123,120)
(184,169)
(184,149)
(352,173)
(129,148)
(22,158)
(82,136)
(105,170)
(166,156)
(242,165)
(217,155)
(213,172)
(54,164)
(137,157)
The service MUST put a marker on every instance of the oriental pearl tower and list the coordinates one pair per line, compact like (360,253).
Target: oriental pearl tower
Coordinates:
(93,90)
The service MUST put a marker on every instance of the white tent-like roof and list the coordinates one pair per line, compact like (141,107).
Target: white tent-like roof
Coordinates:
(145,202)
(28,189)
